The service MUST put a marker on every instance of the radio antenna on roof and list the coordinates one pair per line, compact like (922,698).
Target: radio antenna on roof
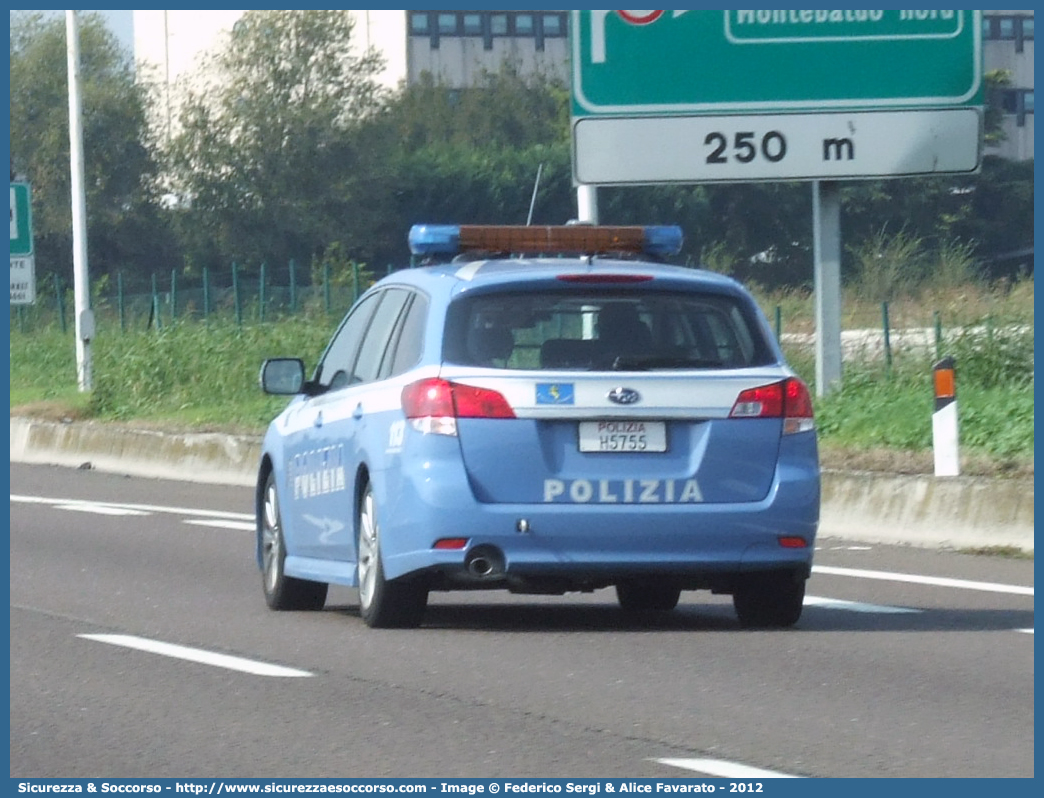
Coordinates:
(532,202)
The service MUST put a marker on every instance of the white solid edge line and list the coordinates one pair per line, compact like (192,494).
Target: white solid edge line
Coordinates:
(728,770)
(889,576)
(197,655)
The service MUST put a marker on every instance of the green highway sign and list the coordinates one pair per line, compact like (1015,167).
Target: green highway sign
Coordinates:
(23,264)
(655,62)
(727,96)
(21,221)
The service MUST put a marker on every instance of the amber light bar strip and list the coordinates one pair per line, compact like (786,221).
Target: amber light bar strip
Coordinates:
(551,238)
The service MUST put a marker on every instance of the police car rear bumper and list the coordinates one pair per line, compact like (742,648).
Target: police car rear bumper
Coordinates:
(604,541)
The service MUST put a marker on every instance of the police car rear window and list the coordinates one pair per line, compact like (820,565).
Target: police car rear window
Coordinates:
(594,331)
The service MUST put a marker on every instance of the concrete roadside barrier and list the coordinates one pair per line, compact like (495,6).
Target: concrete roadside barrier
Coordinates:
(917,510)
(193,457)
(923,510)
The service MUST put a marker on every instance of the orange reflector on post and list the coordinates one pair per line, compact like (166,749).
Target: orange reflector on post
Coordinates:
(944,384)
(944,377)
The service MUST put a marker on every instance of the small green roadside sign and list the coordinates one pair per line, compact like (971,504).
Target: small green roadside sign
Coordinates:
(23,263)
(21,221)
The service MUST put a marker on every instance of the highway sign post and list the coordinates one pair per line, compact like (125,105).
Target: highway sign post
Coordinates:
(23,265)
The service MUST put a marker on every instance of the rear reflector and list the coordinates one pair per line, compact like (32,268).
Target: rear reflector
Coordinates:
(789,400)
(450,543)
(793,542)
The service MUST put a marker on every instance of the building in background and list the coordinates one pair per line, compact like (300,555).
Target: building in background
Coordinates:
(458,46)
(1007,41)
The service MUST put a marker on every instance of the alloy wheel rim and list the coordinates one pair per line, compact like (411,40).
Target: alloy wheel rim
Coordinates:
(271,539)
(368,548)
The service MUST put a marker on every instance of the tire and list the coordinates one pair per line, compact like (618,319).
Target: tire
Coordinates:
(383,604)
(647,596)
(769,600)
(282,592)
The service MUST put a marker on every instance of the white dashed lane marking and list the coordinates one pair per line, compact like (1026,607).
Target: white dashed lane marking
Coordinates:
(938,581)
(100,509)
(119,508)
(725,769)
(199,655)
(854,606)
(246,526)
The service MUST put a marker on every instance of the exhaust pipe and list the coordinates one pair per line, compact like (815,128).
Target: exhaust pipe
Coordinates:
(484,562)
(480,566)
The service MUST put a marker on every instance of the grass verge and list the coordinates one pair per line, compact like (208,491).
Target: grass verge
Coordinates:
(203,376)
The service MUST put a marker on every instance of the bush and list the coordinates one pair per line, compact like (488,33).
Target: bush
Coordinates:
(196,373)
(888,265)
(989,357)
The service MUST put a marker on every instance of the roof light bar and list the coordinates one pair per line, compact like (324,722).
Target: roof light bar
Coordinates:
(444,239)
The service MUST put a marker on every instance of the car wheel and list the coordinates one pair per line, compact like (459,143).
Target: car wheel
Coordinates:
(645,596)
(383,604)
(771,600)
(282,592)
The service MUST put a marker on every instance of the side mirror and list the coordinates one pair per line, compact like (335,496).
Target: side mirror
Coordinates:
(284,376)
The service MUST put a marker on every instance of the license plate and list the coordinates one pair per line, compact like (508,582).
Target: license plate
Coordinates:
(623,436)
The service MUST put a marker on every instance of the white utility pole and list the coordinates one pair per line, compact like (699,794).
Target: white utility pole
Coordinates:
(826,247)
(81,285)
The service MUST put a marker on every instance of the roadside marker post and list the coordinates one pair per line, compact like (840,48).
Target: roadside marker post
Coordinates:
(944,419)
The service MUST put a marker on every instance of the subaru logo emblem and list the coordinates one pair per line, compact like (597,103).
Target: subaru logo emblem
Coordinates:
(624,396)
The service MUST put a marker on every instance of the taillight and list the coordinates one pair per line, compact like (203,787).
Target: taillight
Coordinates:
(428,398)
(475,402)
(434,405)
(789,400)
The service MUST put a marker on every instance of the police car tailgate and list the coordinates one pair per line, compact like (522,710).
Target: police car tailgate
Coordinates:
(621,439)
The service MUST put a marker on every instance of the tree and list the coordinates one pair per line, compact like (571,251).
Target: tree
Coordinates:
(503,110)
(266,156)
(472,155)
(996,80)
(122,220)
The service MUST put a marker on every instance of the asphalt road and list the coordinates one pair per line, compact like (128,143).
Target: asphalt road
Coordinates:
(906,663)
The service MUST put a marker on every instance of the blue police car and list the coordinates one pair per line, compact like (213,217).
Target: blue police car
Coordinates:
(547,410)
